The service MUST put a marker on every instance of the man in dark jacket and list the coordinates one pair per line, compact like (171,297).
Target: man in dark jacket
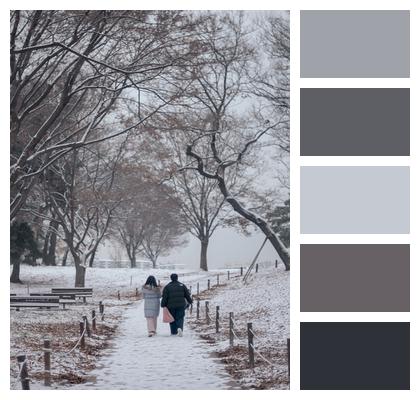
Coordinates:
(176,297)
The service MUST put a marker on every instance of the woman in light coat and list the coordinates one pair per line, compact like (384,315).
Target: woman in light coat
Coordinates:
(151,293)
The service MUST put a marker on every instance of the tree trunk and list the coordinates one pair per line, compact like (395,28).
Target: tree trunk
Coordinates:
(203,254)
(278,245)
(14,278)
(45,249)
(92,257)
(80,272)
(64,261)
(53,244)
(154,262)
(133,261)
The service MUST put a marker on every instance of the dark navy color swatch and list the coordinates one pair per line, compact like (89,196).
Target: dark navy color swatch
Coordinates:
(355,355)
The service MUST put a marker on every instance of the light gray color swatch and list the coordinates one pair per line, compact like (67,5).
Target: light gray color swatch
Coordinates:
(355,199)
(355,44)
(355,122)
(355,277)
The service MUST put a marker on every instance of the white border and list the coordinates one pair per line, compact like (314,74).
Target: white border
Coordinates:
(294,6)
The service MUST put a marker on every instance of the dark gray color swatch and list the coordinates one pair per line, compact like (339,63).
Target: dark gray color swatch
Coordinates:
(355,277)
(355,200)
(355,44)
(355,355)
(355,122)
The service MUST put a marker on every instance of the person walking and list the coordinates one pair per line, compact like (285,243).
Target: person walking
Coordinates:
(151,294)
(176,298)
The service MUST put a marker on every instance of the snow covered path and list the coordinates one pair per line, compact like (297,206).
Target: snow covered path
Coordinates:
(160,362)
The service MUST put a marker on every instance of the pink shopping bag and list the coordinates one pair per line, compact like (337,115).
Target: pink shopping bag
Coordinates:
(167,317)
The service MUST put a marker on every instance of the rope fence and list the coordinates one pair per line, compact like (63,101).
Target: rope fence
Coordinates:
(233,330)
(234,334)
(206,283)
(261,356)
(84,330)
(82,335)
(255,335)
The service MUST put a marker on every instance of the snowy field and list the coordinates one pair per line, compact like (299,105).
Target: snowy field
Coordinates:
(263,300)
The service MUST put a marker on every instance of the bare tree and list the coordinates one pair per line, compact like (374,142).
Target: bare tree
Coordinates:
(163,229)
(218,83)
(147,221)
(202,109)
(84,61)
(271,84)
(85,203)
(130,234)
(128,221)
(201,203)
(218,173)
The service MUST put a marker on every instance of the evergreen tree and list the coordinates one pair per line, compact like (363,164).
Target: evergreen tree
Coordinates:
(22,243)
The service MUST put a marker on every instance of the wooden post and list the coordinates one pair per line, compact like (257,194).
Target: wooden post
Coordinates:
(208,284)
(137,292)
(23,368)
(217,319)
(256,268)
(85,320)
(198,288)
(198,309)
(250,346)
(207,312)
(118,295)
(231,329)
(93,321)
(242,271)
(47,362)
(191,307)
(288,357)
(276,265)
(101,310)
(82,334)
(228,275)
(217,279)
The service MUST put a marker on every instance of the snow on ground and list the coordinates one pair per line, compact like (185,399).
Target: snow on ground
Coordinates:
(135,361)
(29,327)
(264,301)
(161,362)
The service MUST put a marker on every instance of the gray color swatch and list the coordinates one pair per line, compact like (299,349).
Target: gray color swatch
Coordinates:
(355,277)
(355,122)
(355,200)
(355,44)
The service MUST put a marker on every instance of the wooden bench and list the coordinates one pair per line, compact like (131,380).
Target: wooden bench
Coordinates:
(64,298)
(78,292)
(47,302)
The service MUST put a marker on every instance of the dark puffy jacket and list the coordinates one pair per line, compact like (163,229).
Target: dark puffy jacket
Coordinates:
(174,295)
